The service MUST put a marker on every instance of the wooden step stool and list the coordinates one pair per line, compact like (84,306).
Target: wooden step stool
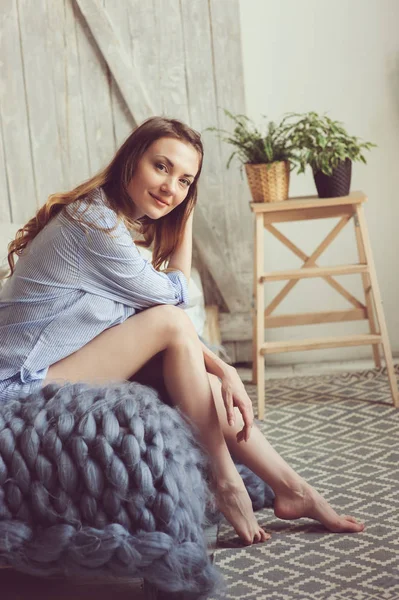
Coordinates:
(301,209)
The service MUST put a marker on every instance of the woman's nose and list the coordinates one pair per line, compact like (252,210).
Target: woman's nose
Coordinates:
(168,186)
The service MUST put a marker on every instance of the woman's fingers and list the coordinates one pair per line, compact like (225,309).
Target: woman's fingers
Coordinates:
(230,408)
(234,395)
(247,415)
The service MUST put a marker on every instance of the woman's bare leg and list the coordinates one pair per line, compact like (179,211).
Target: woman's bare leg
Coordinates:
(188,386)
(294,497)
(121,351)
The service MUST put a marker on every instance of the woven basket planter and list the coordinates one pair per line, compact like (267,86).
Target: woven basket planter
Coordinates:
(269,182)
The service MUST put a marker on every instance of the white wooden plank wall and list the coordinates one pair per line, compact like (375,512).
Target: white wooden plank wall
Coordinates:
(64,111)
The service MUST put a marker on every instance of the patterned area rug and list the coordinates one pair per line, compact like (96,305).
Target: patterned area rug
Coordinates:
(341,433)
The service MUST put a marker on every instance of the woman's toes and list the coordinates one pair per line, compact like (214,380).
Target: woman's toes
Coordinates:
(359,526)
(257,538)
(265,536)
(348,524)
(261,536)
(247,541)
(352,519)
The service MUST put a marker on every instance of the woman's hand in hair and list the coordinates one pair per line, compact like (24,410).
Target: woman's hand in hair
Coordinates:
(235,395)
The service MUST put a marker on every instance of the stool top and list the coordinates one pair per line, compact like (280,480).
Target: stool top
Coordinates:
(299,202)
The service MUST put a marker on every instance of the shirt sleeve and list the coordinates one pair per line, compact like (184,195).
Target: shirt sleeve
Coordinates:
(111,265)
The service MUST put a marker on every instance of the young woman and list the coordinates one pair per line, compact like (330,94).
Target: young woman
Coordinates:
(83,305)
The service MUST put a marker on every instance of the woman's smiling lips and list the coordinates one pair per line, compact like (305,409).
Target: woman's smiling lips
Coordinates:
(161,202)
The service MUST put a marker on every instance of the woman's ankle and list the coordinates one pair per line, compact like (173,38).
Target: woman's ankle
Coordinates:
(227,483)
(290,485)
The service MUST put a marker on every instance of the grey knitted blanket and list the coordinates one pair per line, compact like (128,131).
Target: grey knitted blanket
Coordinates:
(108,479)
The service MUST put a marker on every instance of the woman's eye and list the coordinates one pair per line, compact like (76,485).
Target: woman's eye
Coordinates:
(163,167)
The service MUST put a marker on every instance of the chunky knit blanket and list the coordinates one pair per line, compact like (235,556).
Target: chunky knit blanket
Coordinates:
(108,479)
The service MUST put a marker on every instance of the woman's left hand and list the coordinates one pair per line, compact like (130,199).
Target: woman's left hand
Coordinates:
(234,394)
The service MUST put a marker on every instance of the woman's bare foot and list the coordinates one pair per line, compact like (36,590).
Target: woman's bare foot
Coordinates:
(234,502)
(305,501)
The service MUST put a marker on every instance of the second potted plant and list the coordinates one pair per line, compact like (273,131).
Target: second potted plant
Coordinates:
(266,157)
(327,147)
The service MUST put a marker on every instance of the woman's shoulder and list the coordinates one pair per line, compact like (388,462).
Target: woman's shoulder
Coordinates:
(93,211)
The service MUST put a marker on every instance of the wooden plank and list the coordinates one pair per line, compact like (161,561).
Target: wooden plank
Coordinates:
(237,326)
(300,202)
(67,93)
(368,292)
(243,352)
(21,196)
(146,48)
(94,78)
(310,272)
(316,318)
(128,78)
(307,214)
(317,343)
(378,305)
(120,13)
(43,126)
(212,330)
(239,352)
(5,207)
(259,315)
(172,80)
(230,348)
(229,86)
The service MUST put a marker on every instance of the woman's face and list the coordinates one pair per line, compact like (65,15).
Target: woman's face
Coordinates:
(163,177)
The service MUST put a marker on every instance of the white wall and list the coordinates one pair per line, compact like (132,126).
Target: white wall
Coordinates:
(341,57)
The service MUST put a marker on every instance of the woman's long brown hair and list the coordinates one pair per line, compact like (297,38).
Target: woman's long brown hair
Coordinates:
(164,233)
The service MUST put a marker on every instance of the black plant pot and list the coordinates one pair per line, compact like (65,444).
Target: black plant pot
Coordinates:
(337,184)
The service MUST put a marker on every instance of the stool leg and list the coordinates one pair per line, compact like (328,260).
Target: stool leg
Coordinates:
(254,323)
(367,290)
(378,305)
(260,314)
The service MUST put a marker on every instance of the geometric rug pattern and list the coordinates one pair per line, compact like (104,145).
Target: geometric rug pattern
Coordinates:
(341,433)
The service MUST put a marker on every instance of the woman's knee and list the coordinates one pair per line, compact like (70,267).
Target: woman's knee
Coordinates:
(176,322)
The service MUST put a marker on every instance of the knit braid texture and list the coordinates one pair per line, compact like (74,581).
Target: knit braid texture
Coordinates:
(104,478)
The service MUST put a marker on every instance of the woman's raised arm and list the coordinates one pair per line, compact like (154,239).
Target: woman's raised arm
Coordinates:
(181,258)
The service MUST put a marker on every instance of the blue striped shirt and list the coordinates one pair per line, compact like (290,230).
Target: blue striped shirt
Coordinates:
(71,283)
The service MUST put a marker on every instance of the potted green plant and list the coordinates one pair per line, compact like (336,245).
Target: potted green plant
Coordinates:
(326,146)
(266,157)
